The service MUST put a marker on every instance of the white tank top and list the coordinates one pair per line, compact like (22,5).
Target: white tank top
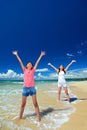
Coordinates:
(61,76)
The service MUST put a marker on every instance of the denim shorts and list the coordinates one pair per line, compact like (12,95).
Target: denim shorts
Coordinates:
(28,91)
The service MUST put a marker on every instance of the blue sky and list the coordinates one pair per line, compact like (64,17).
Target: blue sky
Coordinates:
(59,27)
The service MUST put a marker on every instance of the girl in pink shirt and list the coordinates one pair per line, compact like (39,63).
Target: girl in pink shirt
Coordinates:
(29,84)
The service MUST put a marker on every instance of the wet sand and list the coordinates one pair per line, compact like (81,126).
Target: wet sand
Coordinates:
(54,115)
(78,120)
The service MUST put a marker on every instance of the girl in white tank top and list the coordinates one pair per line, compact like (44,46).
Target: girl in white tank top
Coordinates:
(61,78)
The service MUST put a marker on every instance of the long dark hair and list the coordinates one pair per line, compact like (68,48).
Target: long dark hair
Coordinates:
(62,70)
(32,65)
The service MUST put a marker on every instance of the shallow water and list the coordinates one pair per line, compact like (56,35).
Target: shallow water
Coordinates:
(53,113)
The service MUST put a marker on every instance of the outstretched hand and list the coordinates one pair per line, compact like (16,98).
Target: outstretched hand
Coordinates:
(43,53)
(14,52)
(73,61)
(49,63)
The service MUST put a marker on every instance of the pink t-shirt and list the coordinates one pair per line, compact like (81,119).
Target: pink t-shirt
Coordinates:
(29,78)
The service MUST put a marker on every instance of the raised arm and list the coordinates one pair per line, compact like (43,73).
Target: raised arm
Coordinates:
(19,59)
(38,60)
(53,67)
(69,64)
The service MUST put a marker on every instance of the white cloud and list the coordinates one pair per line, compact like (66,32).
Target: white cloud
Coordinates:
(78,73)
(84,71)
(42,70)
(79,52)
(70,55)
(53,76)
(10,74)
(73,74)
(84,43)
(41,76)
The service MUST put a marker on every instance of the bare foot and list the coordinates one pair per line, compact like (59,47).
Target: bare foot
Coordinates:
(38,118)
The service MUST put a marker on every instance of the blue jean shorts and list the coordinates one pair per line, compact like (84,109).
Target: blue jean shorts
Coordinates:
(28,91)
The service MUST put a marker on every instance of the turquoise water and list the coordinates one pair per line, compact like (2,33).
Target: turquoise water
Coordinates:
(10,100)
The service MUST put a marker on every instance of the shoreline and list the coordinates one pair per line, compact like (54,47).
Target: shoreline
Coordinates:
(62,115)
(77,120)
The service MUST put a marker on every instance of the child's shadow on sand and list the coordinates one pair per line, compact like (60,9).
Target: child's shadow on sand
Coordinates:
(73,99)
(47,111)
(50,110)
(42,113)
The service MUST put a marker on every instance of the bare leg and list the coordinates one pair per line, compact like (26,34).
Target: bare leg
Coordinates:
(59,92)
(36,107)
(66,91)
(22,106)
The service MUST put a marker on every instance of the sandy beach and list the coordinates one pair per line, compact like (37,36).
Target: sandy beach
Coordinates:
(55,115)
(78,120)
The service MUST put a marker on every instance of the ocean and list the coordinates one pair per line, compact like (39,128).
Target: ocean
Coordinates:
(53,113)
